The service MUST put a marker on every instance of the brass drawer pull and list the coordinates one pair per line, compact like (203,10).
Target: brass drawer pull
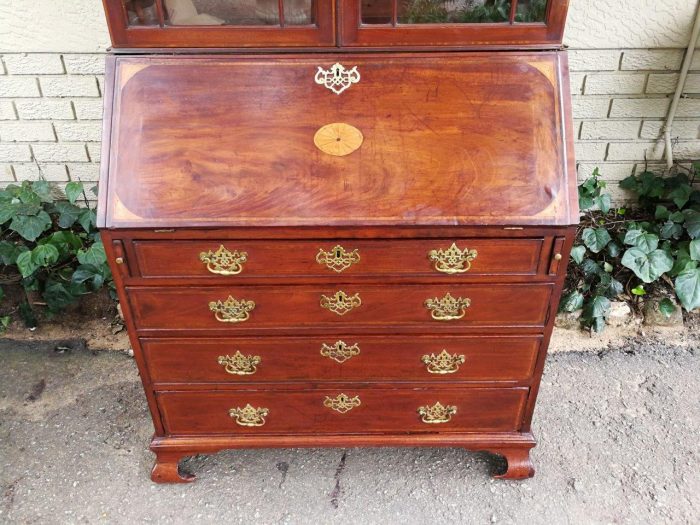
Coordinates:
(452,260)
(443,363)
(436,413)
(239,364)
(340,303)
(337,78)
(448,308)
(232,310)
(338,259)
(340,351)
(249,416)
(223,261)
(342,403)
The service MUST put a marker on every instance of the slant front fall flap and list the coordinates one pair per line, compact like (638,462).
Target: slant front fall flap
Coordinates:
(461,138)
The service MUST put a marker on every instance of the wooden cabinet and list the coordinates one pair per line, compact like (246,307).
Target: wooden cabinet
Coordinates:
(330,23)
(324,247)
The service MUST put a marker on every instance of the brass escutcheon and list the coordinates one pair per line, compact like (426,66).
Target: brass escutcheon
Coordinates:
(340,351)
(342,403)
(223,261)
(338,259)
(448,308)
(340,303)
(436,413)
(452,260)
(443,363)
(249,416)
(232,310)
(239,364)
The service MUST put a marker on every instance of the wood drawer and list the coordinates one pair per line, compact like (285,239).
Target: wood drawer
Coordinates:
(300,306)
(346,358)
(305,412)
(332,258)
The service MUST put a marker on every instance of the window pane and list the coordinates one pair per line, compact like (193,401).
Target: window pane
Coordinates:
(141,12)
(453,11)
(531,11)
(236,12)
(376,11)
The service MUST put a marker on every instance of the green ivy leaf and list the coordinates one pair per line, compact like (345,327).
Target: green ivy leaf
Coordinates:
(578,253)
(73,191)
(677,216)
(671,230)
(647,266)
(692,223)
(694,250)
(590,267)
(680,195)
(604,202)
(597,307)
(608,286)
(595,239)
(66,241)
(661,213)
(613,249)
(667,307)
(629,183)
(607,267)
(95,255)
(651,185)
(4,323)
(44,255)
(9,252)
(8,209)
(30,227)
(87,219)
(687,287)
(43,190)
(57,296)
(25,264)
(647,242)
(68,214)
(571,301)
(639,290)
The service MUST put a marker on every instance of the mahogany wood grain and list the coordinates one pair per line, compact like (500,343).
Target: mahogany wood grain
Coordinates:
(386,358)
(444,146)
(378,257)
(380,410)
(299,306)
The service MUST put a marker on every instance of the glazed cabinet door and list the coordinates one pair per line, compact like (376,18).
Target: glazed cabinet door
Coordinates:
(459,23)
(221,23)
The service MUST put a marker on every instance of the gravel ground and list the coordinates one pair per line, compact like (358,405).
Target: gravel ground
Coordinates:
(618,435)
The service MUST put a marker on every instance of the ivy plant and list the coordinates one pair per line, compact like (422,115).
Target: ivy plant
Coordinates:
(620,253)
(49,246)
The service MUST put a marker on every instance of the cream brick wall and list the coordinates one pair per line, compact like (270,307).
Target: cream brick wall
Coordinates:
(624,57)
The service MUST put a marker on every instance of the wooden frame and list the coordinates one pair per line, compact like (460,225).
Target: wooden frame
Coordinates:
(322,33)
(338,24)
(354,33)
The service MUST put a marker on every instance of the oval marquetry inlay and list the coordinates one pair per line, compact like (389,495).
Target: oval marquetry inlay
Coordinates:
(338,139)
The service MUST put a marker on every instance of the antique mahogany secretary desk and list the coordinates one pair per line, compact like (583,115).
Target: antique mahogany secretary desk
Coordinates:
(338,222)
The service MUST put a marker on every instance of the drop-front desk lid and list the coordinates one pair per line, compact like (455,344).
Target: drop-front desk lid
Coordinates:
(428,139)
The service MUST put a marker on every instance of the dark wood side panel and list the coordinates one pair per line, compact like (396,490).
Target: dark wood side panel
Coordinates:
(380,410)
(361,358)
(299,306)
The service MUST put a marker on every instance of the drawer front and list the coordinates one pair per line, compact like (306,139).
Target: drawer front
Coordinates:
(342,410)
(249,307)
(241,260)
(346,358)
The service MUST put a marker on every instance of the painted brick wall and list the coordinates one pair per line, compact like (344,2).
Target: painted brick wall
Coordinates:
(624,57)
